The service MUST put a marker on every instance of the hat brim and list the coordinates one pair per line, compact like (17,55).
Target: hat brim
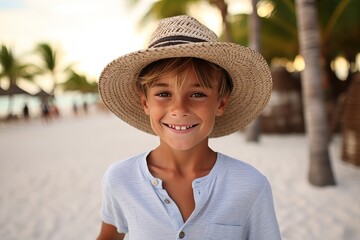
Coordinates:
(248,70)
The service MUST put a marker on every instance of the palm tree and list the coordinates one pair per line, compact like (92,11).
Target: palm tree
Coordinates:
(163,9)
(223,8)
(320,172)
(169,8)
(253,129)
(50,62)
(279,37)
(344,18)
(78,82)
(13,70)
(335,18)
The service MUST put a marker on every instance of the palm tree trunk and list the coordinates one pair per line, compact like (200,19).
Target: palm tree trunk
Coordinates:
(10,106)
(253,129)
(53,76)
(320,171)
(223,8)
(11,97)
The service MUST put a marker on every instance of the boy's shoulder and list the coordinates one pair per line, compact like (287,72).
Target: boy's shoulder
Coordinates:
(125,167)
(241,172)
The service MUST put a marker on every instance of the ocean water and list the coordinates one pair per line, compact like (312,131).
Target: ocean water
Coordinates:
(64,102)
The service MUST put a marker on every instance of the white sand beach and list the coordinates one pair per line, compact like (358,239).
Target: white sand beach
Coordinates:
(50,179)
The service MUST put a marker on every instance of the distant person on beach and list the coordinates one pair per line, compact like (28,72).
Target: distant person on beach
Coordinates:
(45,110)
(85,107)
(55,111)
(75,108)
(185,88)
(26,112)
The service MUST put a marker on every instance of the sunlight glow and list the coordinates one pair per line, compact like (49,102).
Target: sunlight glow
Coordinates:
(341,67)
(207,15)
(289,66)
(357,62)
(265,8)
(299,63)
(239,7)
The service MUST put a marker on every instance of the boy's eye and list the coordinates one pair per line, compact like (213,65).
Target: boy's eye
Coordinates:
(163,94)
(198,95)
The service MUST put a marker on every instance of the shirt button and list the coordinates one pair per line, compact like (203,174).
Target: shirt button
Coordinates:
(181,235)
(167,201)
(154,182)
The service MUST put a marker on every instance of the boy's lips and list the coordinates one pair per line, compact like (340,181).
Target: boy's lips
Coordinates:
(180,127)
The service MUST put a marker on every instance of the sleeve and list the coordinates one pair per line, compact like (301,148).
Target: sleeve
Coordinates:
(262,222)
(111,212)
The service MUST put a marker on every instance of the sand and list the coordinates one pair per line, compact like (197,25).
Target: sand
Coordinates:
(50,178)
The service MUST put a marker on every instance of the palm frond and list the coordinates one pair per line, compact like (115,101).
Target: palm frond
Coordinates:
(48,55)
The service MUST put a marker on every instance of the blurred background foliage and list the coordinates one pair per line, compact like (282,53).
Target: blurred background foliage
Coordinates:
(338,20)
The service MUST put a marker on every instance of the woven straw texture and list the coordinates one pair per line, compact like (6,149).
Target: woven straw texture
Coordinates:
(184,36)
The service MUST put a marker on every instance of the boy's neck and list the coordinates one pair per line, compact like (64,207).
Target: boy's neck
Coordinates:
(184,162)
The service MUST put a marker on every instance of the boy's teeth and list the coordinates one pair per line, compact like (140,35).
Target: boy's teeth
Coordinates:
(178,128)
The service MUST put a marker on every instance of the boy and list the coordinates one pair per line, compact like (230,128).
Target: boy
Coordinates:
(185,88)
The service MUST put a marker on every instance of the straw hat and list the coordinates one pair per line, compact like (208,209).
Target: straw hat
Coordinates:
(184,36)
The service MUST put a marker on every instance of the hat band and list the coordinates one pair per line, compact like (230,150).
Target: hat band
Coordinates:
(174,40)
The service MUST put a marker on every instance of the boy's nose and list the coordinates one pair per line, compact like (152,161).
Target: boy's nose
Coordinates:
(179,108)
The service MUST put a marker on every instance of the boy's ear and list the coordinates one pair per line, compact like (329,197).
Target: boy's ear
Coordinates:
(222,103)
(144,103)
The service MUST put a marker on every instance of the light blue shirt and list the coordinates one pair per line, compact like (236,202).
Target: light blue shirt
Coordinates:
(234,201)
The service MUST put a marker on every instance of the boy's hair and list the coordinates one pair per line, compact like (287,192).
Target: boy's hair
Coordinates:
(208,74)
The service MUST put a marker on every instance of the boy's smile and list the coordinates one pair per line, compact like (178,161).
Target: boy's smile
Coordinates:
(182,114)
(180,128)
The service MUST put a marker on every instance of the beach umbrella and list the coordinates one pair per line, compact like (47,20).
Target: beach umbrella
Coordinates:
(10,92)
(2,92)
(14,90)
(42,94)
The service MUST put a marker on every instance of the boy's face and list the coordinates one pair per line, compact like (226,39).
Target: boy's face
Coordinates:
(182,117)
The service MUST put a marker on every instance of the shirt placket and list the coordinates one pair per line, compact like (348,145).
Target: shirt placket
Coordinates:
(200,197)
(172,209)
(170,206)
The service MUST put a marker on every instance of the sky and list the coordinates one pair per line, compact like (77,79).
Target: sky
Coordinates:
(89,33)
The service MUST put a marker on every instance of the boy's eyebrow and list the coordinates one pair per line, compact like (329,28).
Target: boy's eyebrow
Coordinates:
(157,84)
